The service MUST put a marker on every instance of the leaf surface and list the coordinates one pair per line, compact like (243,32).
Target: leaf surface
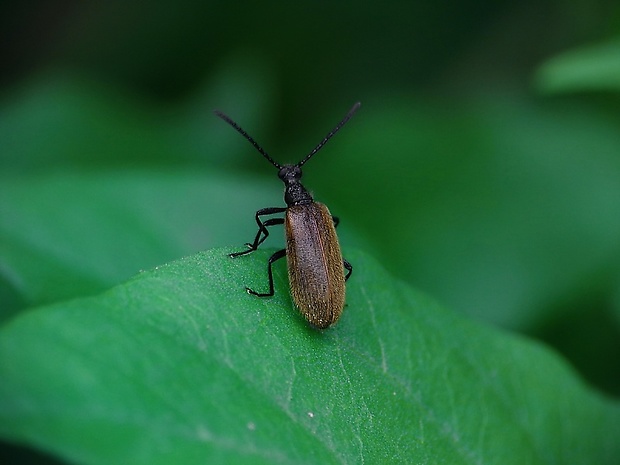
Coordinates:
(180,365)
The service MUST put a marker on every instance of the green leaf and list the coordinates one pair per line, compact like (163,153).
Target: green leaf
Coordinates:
(593,68)
(180,365)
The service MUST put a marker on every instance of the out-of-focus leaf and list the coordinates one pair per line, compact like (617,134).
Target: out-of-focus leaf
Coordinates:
(501,209)
(62,121)
(71,234)
(593,68)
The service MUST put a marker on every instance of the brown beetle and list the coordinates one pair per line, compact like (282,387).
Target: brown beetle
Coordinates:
(315,263)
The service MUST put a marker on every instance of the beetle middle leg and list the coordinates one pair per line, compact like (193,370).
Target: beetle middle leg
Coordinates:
(262,228)
(276,256)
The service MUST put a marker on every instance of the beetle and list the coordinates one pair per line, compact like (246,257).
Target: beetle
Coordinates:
(314,260)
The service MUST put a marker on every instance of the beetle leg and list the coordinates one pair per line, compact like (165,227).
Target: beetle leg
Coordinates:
(262,228)
(346,264)
(349,268)
(276,256)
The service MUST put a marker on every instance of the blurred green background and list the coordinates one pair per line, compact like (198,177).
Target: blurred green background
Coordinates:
(482,168)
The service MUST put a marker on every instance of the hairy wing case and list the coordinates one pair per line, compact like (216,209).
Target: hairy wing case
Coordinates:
(315,267)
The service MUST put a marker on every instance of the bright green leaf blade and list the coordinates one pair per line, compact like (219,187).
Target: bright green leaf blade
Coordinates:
(593,68)
(179,365)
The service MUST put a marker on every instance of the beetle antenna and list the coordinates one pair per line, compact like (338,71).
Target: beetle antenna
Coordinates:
(331,133)
(248,137)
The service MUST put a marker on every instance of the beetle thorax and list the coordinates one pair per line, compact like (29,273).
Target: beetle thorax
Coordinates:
(295,193)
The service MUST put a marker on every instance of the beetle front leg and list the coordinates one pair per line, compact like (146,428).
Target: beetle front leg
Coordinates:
(262,228)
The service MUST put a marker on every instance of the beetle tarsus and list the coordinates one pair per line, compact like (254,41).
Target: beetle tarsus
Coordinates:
(257,294)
